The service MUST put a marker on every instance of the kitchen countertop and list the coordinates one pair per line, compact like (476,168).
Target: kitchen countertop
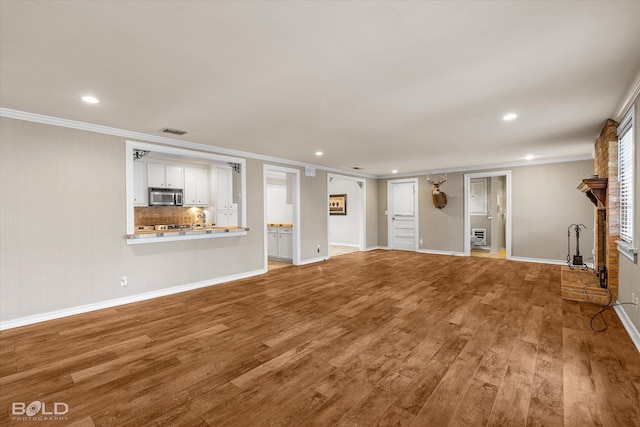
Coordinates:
(271,224)
(150,236)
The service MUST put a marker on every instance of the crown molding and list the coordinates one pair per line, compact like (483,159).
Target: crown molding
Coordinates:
(629,98)
(495,166)
(90,127)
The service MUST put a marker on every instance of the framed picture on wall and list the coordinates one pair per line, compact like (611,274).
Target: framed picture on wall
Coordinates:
(338,204)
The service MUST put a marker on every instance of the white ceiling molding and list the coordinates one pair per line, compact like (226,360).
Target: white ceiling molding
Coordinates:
(630,97)
(90,127)
(495,166)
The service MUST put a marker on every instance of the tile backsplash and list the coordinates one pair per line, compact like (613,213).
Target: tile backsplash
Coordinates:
(157,215)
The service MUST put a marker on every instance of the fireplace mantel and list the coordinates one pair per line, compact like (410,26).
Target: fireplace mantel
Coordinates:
(595,189)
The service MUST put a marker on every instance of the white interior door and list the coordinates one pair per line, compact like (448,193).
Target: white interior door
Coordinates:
(402,202)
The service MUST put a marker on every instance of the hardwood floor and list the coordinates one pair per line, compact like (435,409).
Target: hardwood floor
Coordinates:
(274,264)
(384,338)
(337,250)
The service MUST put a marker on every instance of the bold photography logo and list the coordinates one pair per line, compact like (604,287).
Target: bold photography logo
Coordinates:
(39,410)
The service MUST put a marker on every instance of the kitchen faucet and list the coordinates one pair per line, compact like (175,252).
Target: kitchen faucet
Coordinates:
(201,215)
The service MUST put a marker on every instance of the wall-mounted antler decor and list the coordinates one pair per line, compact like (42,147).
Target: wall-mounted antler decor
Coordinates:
(439,197)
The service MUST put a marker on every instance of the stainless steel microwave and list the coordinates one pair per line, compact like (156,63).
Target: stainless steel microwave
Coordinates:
(165,197)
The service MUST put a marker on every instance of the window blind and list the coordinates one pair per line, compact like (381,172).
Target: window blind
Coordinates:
(625,177)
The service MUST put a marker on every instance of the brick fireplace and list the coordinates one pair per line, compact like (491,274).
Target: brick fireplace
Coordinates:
(602,191)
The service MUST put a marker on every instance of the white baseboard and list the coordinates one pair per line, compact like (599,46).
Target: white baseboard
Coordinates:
(629,326)
(350,245)
(312,260)
(436,252)
(546,261)
(539,260)
(51,315)
(374,248)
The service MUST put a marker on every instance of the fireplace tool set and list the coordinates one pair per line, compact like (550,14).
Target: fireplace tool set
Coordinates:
(577,258)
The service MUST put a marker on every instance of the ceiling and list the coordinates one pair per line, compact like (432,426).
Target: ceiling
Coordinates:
(410,86)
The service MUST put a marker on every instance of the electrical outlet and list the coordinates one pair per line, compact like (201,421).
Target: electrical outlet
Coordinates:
(318,248)
(637,305)
(420,241)
(123,281)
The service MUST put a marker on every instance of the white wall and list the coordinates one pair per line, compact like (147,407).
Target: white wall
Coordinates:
(63,244)
(278,210)
(345,229)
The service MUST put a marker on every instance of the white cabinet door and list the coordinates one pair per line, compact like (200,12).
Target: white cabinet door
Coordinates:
(173,176)
(155,175)
(190,186)
(227,218)
(196,186)
(223,189)
(222,218)
(202,186)
(285,243)
(160,175)
(233,217)
(140,192)
(272,244)
(226,210)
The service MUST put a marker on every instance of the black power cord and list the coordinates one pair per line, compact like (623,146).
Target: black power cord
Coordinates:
(599,313)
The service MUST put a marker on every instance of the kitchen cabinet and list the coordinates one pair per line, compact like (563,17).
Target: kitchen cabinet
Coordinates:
(140,192)
(224,188)
(272,242)
(227,218)
(280,242)
(196,186)
(226,210)
(285,242)
(160,175)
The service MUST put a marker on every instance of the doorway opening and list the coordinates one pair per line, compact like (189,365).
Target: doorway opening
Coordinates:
(346,222)
(402,215)
(487,219)
(281,216)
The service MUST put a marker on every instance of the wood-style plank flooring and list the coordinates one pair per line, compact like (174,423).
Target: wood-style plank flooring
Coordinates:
(385,338)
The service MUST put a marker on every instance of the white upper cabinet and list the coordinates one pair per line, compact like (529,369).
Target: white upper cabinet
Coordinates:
(226,210)
(140,193)
(224,195)
(160,175)
(196,186)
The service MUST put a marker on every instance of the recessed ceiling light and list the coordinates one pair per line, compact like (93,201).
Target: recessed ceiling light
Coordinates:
(90,99)
(394,171)
(529,157)
(319,153)
(510,116)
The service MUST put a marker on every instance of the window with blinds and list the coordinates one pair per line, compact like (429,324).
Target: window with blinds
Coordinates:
(625,176)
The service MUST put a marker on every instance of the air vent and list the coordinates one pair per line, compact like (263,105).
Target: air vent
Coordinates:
(173,131)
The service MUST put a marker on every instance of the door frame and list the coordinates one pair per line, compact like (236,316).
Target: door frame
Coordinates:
(362,202)
(467,200)
(416,237)
(296,211)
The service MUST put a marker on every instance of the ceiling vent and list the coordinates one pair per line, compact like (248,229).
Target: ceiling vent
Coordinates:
(173,131)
